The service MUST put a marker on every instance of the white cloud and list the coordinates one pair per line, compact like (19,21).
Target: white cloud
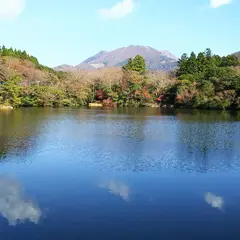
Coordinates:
(214,201)
(10,9)
(219,3)
(119,10)
(13,206)
(117,188)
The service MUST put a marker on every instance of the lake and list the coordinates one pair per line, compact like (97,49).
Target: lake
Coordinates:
(124,173)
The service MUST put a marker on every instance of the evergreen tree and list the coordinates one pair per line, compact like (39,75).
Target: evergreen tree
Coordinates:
(4,51)
(217,60)
(192,64)
(129,65)
(201,62)
(209,58)
(139,64)
(182,65)
(208,53)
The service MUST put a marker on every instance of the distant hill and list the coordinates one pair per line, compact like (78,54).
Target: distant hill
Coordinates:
(155,60)
(65,68)
(237,54)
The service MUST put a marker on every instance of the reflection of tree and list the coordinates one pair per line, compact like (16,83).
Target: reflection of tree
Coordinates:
(144,112)
(134,131)
(201,142)
(18,128)
(119,137)
(207,116)
(13,206)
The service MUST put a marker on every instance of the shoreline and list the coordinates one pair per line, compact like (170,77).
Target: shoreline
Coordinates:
(100,106)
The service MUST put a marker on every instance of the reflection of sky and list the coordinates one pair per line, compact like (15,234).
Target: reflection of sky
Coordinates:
(214,201)
(117,188)
(13,206)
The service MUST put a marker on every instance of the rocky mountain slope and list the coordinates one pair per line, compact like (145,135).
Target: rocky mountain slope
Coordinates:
(155,60)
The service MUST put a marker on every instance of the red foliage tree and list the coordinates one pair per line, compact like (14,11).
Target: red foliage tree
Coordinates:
(179,98)
(100,94)
(160,98)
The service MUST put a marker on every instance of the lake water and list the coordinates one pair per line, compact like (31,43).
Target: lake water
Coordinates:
(119,174)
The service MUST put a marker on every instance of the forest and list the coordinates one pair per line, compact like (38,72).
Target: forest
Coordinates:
(204,80)
(207,81)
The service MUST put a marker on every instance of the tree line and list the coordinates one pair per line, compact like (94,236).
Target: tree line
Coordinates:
(18,54)
(10,52)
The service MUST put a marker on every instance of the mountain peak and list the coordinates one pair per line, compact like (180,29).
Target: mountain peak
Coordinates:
(148,48)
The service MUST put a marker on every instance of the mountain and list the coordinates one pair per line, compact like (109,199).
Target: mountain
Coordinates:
(237,54)
(155,60)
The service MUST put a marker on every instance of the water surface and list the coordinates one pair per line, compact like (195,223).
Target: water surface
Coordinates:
(119,174)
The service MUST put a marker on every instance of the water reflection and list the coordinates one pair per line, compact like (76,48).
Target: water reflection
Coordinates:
(207,116)
(117,188)
(214,201)
(207,146)
(125,138)
(18,131)
(14,207)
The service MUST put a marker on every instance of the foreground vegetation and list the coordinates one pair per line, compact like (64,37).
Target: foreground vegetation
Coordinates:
(24,82)
(202,81)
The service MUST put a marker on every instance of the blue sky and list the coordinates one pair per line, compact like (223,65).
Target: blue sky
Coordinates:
(68,31)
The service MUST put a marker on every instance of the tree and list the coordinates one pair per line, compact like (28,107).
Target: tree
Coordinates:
(209,58)
(192,64)
(217,60)
(3,71)
(182,65)
(208,53)
(10,91)
(3,51)
(129,65)
(139,65)
(201,62)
